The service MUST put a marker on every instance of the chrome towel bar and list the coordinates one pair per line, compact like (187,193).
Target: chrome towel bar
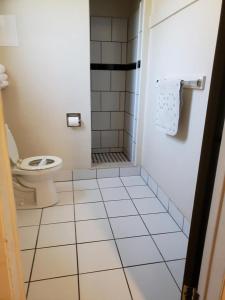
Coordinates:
(198,84)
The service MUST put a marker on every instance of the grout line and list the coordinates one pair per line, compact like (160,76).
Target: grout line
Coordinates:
(103,218)
(140,215)
(105,270)
(155,243)
(78,274)
(97,241)
(35,250)
(117,247)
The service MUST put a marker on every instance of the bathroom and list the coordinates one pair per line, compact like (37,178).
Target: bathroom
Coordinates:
(104,193)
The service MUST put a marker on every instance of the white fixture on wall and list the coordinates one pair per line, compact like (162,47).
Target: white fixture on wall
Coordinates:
(34,173)
(8,31)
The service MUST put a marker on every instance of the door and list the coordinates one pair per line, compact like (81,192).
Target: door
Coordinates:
(11,276)
(207,168)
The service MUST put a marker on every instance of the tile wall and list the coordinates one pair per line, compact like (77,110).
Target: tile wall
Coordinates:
(132,85)
(114,93)
(108,46)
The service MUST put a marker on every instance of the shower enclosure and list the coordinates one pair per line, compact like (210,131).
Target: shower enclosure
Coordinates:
(115,82)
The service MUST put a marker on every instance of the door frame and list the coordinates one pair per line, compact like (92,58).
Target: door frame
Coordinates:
(207,168)
(11,274)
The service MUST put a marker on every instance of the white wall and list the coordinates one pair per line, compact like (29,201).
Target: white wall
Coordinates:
(182,45)
(49,77)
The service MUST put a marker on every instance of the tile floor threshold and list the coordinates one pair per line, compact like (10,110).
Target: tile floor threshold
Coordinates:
(104,240)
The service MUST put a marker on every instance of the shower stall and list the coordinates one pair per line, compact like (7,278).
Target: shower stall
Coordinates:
(115,80)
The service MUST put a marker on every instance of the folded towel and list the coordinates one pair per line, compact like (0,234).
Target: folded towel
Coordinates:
(2,69)
(3,84)
(3,77)
(168,108)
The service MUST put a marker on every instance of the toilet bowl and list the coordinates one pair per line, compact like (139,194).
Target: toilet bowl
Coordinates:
(33,174)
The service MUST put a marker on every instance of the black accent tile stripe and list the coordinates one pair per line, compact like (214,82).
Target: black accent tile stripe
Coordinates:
(117,67)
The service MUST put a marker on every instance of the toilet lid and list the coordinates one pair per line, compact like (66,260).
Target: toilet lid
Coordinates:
(12,148)
(39,163)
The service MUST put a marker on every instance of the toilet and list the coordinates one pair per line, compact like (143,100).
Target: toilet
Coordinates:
(33,176)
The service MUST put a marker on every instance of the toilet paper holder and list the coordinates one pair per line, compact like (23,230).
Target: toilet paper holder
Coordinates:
(73,119)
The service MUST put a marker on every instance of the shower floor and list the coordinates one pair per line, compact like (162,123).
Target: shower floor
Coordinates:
(107,239)
(111,157)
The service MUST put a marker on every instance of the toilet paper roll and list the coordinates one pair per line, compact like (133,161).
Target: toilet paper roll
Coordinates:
(73,121)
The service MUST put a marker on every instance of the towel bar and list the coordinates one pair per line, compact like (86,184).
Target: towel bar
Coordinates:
(198,84)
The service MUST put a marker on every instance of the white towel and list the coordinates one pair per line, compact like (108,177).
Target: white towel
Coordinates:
(3,84)
(2,69)
(3,77)
(168,108)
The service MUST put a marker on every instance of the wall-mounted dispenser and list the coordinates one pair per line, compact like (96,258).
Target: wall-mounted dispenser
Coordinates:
(73,119)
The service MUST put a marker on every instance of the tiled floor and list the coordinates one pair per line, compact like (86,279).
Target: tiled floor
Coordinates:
(106,239)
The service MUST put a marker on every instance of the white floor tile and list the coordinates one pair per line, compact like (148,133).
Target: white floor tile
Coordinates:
(28,217)
(104,173)
(80,174)
(54,289)
(177,269)
(160,223)
(107,285)
(163,198)
(120,208)
(128,226)
(149,206)
(140,192)
(64,186)
(138,250)
(90,184)
(57,214)
(153,185)
(54,262)
(98,256)
(186,227)
(109,182)
(119,193)
(65,198)
(63,175)
(93,230)
(28,237)
(172,245)
(152,282)
(176,214)
(90,211)
(132,180)
(25,287)
(87,196)
(130,171)
(27,259)
(56,235)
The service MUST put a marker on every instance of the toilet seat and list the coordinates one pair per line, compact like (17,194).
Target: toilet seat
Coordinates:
(39,163)
(36,163)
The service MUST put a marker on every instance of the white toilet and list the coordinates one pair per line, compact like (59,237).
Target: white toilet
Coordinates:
(33,174)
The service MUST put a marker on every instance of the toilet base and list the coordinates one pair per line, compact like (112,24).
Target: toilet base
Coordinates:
(31,195)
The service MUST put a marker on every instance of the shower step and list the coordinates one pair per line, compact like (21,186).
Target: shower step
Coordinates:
(112,157)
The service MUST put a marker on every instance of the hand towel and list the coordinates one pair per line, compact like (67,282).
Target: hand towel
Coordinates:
(3,77)
(168,107)
(3,84)
(2,69)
